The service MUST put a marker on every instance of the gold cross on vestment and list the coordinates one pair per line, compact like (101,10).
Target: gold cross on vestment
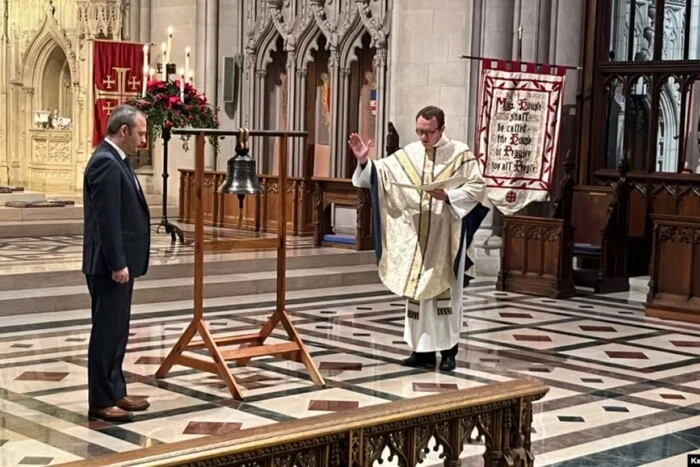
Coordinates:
(120,94)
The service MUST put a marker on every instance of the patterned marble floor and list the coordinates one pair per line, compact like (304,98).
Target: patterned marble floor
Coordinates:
(625,390)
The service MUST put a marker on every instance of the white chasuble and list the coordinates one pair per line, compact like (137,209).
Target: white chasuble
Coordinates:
(423,245)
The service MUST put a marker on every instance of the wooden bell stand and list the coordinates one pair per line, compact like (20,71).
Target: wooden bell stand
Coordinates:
(253,345)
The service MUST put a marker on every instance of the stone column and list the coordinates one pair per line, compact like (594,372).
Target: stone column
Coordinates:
(134,21)
(382,117)
(334,71)
(145,21)
(4,108)
(211,65)
(544,31)
(534,17)
(200,45)
(341,149)
(567,49)
(293,156)
(518,49)
(264,164)
(553,28)
(497,41)
(300,108)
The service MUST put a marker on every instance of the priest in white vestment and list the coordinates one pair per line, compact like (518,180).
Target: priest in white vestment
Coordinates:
(423,238)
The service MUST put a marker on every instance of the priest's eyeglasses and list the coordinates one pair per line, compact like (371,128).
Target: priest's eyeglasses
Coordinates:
(426,132)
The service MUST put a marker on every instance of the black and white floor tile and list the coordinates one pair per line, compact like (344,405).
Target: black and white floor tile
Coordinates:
(624,389)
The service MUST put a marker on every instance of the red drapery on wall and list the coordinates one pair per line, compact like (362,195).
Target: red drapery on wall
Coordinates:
(118,75)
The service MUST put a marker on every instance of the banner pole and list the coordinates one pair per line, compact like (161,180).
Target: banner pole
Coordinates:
(486,59)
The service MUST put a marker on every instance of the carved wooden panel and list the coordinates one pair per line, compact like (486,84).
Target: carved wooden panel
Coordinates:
(259,212)
(536,257)
(675,271)
(675,194)
(341,192)
(688,203)
(590,213)
(271,199)
(230,211)
(637,210)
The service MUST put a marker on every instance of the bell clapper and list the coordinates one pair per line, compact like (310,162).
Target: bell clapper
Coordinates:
(241,197)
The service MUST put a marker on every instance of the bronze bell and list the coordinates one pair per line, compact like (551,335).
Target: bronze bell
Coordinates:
(241,175)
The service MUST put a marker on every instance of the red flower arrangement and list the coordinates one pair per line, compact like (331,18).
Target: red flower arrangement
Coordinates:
(165,110)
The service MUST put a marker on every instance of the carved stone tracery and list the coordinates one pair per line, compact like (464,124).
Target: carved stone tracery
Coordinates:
(100,18)
(300,23)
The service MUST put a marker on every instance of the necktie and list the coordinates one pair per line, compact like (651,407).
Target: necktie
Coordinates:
(131,171)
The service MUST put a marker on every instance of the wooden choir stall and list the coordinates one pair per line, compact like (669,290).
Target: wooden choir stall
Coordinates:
(674,286)
(588,224)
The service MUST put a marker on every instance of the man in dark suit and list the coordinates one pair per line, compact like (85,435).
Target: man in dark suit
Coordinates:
(116,248)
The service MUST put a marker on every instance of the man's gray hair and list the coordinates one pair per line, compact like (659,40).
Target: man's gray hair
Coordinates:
(122,115)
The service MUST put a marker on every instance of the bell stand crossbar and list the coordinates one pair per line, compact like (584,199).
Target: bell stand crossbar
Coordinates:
(252,345)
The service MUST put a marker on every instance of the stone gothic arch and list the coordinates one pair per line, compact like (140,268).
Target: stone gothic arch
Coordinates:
(308,42)
(668,142)
(49,36)
(302,24)
(47,158)
(351,40)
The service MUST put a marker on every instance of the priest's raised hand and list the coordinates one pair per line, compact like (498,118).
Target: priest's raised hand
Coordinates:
(359,148)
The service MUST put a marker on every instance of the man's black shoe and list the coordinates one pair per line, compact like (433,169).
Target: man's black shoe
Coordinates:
(420,360)
(448,364)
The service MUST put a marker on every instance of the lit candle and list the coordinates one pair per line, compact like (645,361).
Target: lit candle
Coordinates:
(145,58)
(182,84)
(191,77)
(187,61)
(145,80)
(170,42)
(164,49)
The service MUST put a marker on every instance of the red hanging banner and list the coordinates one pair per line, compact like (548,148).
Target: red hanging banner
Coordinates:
(118,75)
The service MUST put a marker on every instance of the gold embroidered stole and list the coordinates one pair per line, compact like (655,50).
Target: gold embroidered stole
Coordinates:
(424,177)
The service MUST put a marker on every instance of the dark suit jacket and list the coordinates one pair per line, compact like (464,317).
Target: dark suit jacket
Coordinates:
(116,216)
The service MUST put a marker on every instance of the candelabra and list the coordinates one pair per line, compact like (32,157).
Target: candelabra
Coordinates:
(169,228)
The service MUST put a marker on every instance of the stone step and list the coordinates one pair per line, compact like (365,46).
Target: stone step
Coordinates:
(150,290)
(21,196)
(74,212)
(183,267)
(43,222)
(151,198)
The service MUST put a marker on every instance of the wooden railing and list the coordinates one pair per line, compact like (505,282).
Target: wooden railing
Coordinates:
(499,415)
